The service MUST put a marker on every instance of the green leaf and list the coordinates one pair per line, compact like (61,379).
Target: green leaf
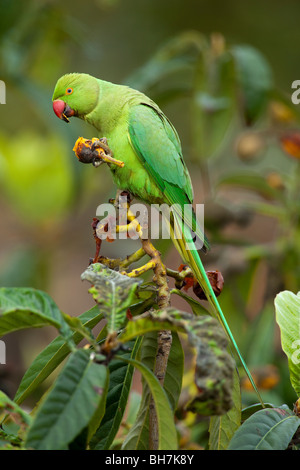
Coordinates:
(120,379)
(214,102)
(251,409)
(97,417)
(22,307)
(70,404)
(77,326)
(176,58)
(8,406)
(287,307)
(113,292)
(138,436)
(222,428)
(214,369)
(50,358)
(141,326)
(197,308)
(144,305)
(165,416)
(268,429)
(174,372)
(254,78)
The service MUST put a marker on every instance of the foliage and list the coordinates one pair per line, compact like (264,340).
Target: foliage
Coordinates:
(266,430)
(85,405)
(83,398)
(287,317)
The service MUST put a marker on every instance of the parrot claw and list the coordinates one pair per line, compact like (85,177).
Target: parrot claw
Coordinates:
(102,144)
(97,162)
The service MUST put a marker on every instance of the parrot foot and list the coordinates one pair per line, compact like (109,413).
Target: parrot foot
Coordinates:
(184,277)
(102,229)
(139,271)
(101,144)
(106,229)
(132,228)
(160,272)
(119,263)
(122,201)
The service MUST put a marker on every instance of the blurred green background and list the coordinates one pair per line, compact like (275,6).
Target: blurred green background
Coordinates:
(222,72)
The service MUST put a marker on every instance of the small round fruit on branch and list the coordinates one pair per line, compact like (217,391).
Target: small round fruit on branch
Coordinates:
(87,152)
(217,282)
(84,153)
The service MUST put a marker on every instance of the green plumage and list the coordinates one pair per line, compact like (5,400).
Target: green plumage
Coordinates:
(139,134)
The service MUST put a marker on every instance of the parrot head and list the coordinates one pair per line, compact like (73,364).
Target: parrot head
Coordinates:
(75,94)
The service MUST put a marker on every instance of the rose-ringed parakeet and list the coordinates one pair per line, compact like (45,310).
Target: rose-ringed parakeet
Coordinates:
(140,135)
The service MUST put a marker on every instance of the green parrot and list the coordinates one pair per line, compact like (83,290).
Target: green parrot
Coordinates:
(139,134)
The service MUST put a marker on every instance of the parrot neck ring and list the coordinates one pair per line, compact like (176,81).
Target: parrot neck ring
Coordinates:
(63,110)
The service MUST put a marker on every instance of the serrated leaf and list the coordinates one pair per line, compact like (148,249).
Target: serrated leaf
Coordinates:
(50,358)
(120,379)
(287,307)
(22,307)
(70,404)
(214,369)
(113,292)
(268,429)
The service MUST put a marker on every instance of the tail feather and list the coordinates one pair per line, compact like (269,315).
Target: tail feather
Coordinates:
(192,258)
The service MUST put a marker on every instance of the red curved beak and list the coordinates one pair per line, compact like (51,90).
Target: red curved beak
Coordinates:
(62,110)
(58,108)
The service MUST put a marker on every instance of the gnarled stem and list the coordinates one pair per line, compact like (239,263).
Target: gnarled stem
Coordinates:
(164,339)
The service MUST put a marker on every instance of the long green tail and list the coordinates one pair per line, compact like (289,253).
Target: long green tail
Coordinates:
(192,258)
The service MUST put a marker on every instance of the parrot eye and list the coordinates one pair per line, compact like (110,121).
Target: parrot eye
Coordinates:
(69,91)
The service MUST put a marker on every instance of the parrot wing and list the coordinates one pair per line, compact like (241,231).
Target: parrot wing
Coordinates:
(157,145)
